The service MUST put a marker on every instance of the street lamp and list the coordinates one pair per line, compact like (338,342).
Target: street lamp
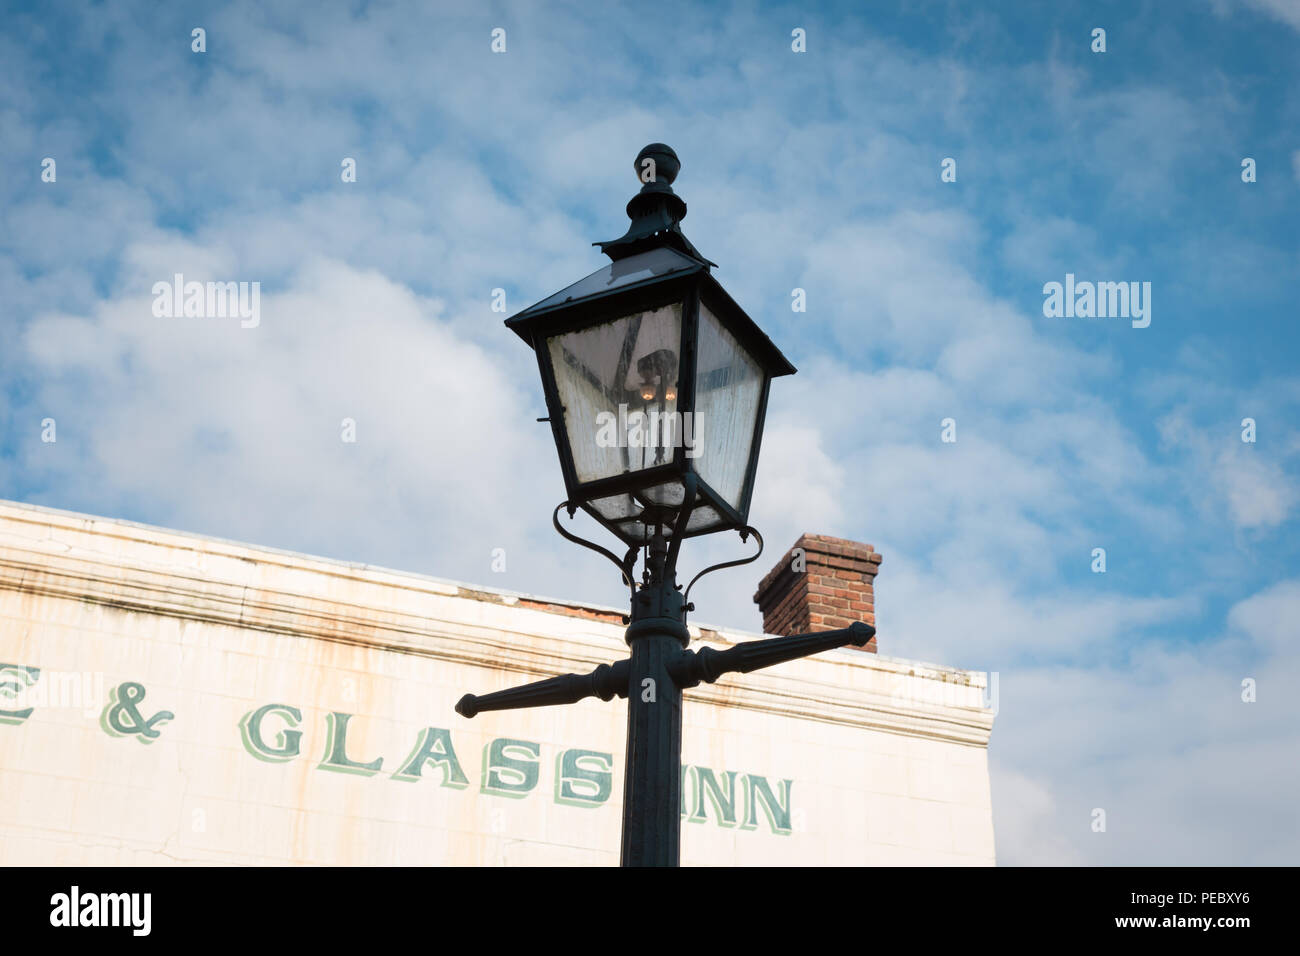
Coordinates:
(652,373)
(656,386)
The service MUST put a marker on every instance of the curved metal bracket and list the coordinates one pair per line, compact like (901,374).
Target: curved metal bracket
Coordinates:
(744,536)
(624,566)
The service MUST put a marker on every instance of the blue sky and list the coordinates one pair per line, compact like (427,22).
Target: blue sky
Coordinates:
(817,170)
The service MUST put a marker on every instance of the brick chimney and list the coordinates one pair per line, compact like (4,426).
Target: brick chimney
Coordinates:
(821,584)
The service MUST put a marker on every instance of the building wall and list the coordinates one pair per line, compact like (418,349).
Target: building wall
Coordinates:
(845,758)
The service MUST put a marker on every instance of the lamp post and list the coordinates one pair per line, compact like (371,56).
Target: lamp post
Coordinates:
(656,386)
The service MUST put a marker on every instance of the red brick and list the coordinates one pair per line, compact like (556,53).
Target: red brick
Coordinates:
(834,590)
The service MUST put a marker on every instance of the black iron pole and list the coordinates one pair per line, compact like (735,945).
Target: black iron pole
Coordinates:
(651,784)
(652,780)
(652,775)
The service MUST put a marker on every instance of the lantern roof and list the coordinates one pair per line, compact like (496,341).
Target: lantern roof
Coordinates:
(646,270)
(619,276)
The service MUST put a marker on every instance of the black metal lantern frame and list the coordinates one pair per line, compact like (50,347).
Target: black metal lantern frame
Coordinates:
(683,281)
(655,268)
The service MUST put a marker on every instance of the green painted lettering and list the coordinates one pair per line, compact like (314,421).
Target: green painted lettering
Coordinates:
(433,747)
(287,742)
(583,778)
(723,800)
(510,767)
(336,745)
(758,791)
(14,681)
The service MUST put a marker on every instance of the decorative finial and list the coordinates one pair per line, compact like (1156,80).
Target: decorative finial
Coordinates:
(656,211)
(663,164)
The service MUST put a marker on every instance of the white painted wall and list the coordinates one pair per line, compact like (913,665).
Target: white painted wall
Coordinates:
(887,759)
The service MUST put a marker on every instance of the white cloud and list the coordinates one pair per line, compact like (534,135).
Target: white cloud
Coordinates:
(1283,11)
(1270,619)
(1025,823)
(1161,740)
(238,431)
(1245,477)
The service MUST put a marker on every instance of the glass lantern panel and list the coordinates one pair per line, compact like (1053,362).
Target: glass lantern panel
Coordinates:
(704,516)
(728,387)
(636,531)
(617,382)
(617,507)
(669,493)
